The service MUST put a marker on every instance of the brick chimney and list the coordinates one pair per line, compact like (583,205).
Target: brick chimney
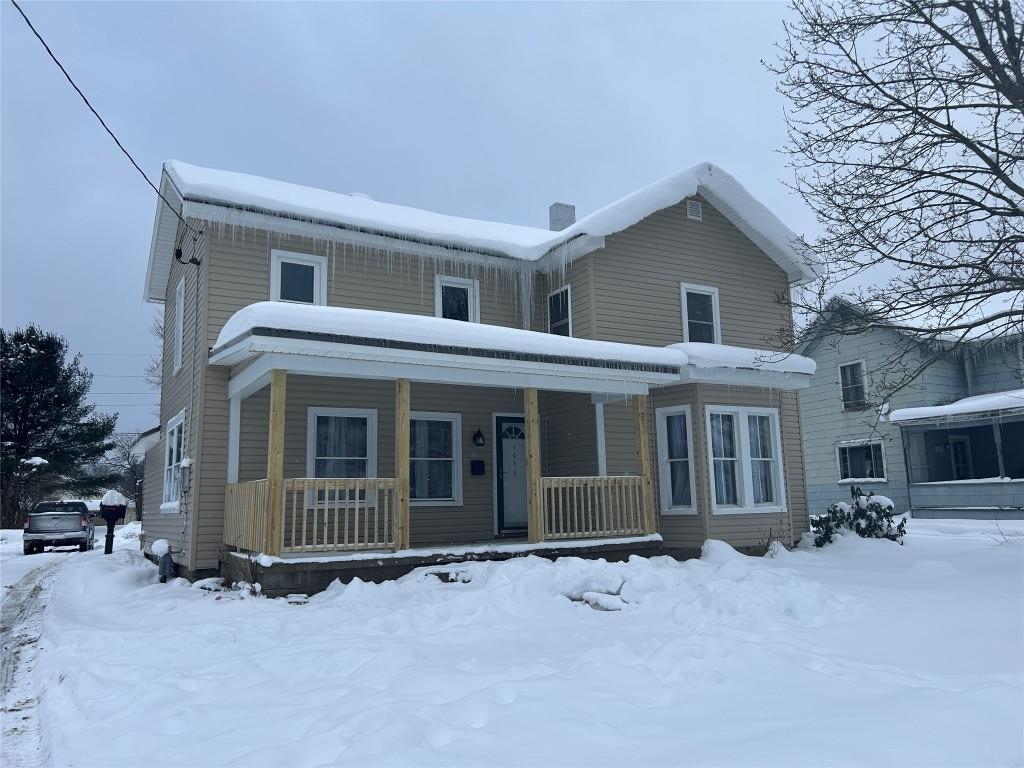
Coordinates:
(560,216)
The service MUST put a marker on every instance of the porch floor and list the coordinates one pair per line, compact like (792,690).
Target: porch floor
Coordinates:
(313,572)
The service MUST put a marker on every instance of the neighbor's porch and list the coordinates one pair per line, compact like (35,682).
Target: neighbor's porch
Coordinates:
(967,464)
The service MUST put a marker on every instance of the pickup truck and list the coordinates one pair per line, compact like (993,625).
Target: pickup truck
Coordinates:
(59,524)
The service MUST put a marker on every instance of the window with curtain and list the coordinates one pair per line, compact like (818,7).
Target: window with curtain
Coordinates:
(762,458)
(861,462)
(851,378)
(725,459)
(434,457)
(675,467)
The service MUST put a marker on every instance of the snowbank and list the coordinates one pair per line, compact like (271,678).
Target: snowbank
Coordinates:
(996,401)
(573,662)
(417,329)
(359,211)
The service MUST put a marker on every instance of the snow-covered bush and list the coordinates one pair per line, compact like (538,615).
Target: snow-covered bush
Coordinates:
(868,516)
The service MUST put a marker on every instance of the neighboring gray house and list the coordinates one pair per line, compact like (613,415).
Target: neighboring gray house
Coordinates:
(966,459)
(355,385)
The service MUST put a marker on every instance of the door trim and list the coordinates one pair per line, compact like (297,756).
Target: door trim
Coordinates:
(496,440)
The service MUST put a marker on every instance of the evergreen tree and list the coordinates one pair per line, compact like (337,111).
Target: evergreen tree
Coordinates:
(50,437)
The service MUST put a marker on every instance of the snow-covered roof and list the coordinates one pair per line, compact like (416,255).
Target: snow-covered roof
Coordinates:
(1011,400)
(368,325)
(703,355)
(345,335)
(202,191)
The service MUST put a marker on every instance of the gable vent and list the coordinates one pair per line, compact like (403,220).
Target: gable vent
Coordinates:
(694,210)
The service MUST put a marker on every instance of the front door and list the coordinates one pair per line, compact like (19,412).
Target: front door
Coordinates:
(510,470)
(960,456)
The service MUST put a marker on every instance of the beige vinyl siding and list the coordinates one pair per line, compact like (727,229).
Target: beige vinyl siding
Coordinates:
(684,533)
(568,435)
(638,272)
(472,521)
(175,397)
(239,266)
(579,276)
(360,278)
(754,529)
(153,483)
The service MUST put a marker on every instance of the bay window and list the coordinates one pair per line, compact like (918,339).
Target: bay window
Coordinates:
(744,454)
(675,465)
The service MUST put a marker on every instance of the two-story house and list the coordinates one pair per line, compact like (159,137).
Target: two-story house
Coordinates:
(354,386)
(948,445)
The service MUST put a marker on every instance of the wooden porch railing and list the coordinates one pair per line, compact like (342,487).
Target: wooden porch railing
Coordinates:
(343,514)
(245,515)
(592,507)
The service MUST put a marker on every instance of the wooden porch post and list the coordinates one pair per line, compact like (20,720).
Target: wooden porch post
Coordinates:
(643,459)
(402,416)
(275,463)
(534,516)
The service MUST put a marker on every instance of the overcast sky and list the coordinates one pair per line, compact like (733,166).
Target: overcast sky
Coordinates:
(484,110)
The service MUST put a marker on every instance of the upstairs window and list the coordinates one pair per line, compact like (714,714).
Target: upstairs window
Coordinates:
(298,277)
(435,448)
(179,324)
(560,312)
(700,314)
(861,463)
(851,379)
(457,298)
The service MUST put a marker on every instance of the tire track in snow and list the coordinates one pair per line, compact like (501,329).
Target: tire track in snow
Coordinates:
(20,626)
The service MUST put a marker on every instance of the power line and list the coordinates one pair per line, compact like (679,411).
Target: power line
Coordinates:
(92,109)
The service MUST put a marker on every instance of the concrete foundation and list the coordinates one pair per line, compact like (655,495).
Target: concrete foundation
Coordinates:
(309,577)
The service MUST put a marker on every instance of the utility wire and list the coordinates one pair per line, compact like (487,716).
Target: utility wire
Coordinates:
(97,114)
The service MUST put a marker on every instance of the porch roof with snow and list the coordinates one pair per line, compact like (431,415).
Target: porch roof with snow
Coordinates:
(241,199)
(1009,403)
(361,343)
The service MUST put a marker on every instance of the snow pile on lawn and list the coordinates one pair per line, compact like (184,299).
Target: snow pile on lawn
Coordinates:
(725,660)
(416,329)
(1011,400)
(359,211)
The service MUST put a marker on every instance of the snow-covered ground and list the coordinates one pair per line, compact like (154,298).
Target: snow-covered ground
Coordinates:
(863,653)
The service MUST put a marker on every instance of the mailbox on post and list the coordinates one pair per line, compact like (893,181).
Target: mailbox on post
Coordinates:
(112,508)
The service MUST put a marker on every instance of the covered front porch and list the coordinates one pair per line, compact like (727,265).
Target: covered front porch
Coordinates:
(383,445)
(966,459)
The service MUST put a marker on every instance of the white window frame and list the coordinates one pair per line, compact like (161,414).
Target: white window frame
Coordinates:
(456,421)
(664,477)
(745,484)
(177,422)
(861,481)
(709,290)
(863,382)
(319,264)
(370,414)
(567,289)
(470,284)
(179,326)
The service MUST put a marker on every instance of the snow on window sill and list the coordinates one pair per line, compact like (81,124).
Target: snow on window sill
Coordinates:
(862,481)
(170,507)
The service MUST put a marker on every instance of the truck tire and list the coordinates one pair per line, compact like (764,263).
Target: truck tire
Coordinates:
(84,547)
(30,549)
